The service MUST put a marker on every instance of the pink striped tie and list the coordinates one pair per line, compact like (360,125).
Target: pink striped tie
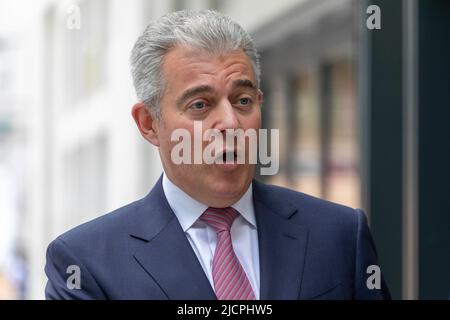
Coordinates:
(230,280)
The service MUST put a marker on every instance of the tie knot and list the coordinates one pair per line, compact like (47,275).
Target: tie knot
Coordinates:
(220,219)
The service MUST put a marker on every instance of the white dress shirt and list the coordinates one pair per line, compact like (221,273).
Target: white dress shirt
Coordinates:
(203,238)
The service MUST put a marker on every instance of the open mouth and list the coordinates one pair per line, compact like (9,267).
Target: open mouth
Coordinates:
(227,157)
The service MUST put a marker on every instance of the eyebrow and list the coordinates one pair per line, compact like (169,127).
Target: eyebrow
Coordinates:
(192,92)
(244,83)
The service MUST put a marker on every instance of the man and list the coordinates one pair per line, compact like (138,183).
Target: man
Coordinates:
(208,231)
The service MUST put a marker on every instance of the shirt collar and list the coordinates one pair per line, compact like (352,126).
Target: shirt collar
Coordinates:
(188,210)
(245,206)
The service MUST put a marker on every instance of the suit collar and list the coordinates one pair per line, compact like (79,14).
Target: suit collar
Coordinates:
(152,216)
(271,200)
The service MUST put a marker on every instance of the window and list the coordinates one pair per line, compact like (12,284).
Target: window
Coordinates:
(85,181)
(85,52)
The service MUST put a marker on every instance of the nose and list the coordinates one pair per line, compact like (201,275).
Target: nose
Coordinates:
(226,117)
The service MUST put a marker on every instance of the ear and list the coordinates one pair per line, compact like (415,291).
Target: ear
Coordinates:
(146,123)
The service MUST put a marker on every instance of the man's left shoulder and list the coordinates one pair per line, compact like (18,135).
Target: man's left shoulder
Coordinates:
(309,209)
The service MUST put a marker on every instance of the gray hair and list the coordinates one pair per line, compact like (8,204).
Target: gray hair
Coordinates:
(207,30)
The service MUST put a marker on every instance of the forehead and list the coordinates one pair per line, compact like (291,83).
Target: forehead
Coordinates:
(185,65)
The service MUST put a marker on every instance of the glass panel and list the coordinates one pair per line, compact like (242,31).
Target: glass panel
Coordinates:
(342,173)
(278,120)
(307,148)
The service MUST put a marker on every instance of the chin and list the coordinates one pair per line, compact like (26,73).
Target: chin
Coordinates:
(230,187)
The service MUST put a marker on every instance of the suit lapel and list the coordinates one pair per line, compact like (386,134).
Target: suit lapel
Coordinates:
(282,246)
(165,253)
(171,262)
(167,256)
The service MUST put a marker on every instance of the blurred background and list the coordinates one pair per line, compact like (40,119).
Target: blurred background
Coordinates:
(363,117)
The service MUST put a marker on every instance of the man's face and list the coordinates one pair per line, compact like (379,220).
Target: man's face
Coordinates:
(220,91)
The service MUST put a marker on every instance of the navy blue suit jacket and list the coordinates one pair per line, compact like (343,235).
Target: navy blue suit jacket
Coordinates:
(309,249)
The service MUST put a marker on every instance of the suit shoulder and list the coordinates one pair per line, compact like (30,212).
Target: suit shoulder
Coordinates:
(104,226)
(307,205)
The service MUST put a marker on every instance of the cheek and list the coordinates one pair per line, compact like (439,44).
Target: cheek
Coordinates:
(164,136)
(252,121)
(165,142)
(183,136)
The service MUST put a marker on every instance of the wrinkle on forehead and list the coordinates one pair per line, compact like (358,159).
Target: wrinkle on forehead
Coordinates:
(184,66)
(201,57)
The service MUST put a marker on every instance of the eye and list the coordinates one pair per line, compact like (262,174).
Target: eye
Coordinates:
(245,101)
(199,105)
